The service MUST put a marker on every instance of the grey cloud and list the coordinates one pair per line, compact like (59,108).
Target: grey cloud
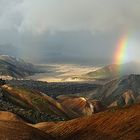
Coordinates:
(41,15)
(80,31)
(80,14)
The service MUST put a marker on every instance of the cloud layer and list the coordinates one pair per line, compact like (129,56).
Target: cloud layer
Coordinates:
(69,30)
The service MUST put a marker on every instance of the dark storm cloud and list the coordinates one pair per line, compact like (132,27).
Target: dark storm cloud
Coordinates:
(67,31)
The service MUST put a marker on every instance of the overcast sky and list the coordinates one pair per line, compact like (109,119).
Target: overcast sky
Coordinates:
(69,31)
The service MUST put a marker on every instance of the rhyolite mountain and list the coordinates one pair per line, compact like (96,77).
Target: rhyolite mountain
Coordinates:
(58,106)
(12,67)
(36,106)
(113,124)
(120,91)
(104,111)
(65,101)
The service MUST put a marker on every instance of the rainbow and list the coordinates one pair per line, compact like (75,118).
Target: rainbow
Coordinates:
(121,49)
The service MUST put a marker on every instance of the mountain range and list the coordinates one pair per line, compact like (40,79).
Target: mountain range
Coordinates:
(35,105)
(12,67)
(106,108)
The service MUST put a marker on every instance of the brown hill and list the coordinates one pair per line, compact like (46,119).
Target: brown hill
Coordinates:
(8,116)
(19,131)
(78,104)
(83,106)
(37,101)
(114,124)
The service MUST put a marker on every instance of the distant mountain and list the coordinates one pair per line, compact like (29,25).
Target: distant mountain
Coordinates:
(105,72)
(11,67)
(114,70)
